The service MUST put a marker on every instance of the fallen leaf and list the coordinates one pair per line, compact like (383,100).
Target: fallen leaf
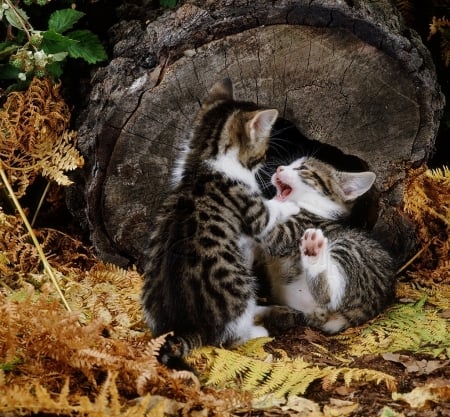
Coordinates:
(389,412)
(339,408)
(420,397)
(301,405)
(445,314)
(158,406)
(344,390)
(422,367)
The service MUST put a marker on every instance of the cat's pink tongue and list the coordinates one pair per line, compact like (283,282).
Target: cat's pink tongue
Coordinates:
(283,194)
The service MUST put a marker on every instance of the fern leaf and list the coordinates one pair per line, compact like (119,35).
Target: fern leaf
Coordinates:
(34,136)
(280,378)
(409,327)
(227,366)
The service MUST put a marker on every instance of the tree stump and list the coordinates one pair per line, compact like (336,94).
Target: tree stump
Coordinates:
(348,74)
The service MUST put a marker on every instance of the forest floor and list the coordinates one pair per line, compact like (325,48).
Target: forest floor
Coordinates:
(100,360)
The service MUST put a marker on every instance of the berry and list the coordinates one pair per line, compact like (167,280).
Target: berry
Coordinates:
(17,63)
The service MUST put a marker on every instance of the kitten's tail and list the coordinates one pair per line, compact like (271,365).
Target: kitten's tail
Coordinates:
(174,350)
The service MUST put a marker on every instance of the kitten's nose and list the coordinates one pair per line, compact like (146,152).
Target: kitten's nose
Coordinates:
(280,169)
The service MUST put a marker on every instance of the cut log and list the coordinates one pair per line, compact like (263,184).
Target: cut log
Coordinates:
(347,74)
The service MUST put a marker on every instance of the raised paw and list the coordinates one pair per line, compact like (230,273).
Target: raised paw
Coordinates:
(313,244)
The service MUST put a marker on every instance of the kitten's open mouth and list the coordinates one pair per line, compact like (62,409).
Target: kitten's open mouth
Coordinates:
(283,189)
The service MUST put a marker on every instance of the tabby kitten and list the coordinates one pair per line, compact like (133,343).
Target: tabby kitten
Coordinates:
(198,278)
(339,276)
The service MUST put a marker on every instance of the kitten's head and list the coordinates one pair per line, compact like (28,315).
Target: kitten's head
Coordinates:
(319,188)
(228,128)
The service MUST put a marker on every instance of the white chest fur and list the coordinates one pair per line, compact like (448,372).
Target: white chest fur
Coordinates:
(297,295)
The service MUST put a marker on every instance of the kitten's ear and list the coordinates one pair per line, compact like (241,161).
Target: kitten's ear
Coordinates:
(355,184)
(221,90)
(260,125)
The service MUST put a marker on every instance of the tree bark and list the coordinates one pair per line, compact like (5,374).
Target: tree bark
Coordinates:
(348,74)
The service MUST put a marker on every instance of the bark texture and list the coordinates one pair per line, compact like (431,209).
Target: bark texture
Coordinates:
(345,73)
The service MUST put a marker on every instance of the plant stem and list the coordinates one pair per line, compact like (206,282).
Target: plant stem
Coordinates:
(41,201)
(36,243)
(25,23)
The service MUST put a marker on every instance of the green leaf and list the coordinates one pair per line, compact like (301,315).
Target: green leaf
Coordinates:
(8,72)
(87,46)
(63,20)
(168,3)
(53,42)
(59,56)
(7,49)
(55,69)
(16,17)
(78,43)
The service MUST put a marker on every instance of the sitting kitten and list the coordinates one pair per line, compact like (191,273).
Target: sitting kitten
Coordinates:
(198,278)
(338,277)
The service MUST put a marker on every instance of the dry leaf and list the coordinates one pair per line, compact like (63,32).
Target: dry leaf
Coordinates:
(420,397)
(421,367)
(445,314)
(339,408)
(303,406)
(389,412)
(344,390)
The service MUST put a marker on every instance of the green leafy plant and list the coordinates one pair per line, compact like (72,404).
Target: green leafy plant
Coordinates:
(28,52)
(168,3)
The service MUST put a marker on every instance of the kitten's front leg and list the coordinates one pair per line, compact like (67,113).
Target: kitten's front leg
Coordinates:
(277,232)
(314,250)
(325,280)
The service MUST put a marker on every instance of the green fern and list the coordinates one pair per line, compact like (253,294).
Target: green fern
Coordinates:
(261,374)
(409,327)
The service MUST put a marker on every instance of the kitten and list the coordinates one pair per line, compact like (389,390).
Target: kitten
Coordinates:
(198,278)
(339,276)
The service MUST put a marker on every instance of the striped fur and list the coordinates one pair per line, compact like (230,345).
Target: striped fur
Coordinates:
(198,278)
(335,276)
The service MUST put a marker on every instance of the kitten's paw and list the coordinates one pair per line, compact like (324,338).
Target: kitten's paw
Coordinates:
(258,331)
(172,353)
(314,244)
(279,319)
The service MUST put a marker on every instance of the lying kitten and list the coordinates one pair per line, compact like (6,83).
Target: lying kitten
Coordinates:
(338,277)
(198,278)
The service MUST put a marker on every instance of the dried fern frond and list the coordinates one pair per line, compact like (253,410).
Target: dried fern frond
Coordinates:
(436,295)
(407,9)
(37,398)
(426,201)
(19,259)
(442,26)
(35,138)
(46,346)
(108,293)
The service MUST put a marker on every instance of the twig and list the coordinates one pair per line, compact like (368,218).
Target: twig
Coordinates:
(41,201)
(36,243)
(410,261)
